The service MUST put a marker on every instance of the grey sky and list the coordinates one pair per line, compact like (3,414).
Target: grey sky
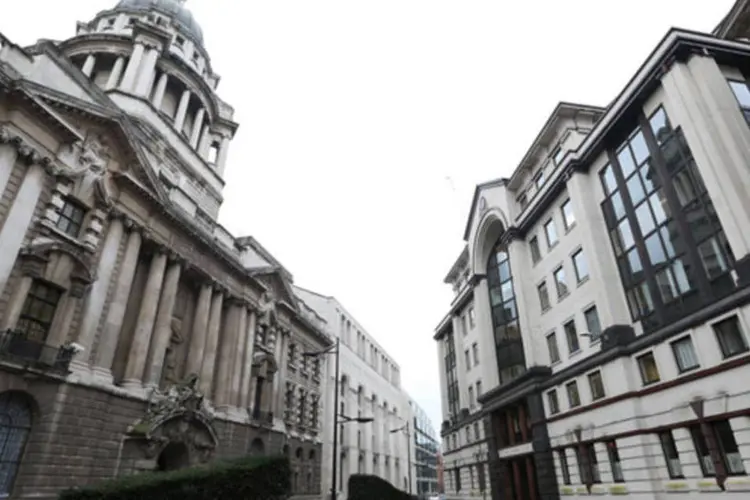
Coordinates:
(354,113)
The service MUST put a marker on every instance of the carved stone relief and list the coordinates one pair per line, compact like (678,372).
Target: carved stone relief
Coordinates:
(88,162)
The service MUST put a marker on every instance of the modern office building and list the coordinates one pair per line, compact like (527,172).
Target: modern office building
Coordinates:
(597,343)
(370,387)
(426,447)
(137,333)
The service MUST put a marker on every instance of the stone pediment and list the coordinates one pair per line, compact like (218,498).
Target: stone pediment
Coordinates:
(108,151)
(278,288)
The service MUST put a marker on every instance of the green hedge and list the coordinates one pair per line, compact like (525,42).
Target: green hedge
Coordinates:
(366,487)
(266,478)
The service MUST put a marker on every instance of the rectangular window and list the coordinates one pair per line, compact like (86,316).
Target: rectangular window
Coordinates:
(471,401)
(560,282)
(596,384)
(742,94)
(672,457)
(574,399)
(543,296)
(536,254)
(554,404)
(647,367)
(571,335)
(71,218)
(539,179)
(464,328)
(564,468)
(581,266)
(730,452)
(523,200)
(554,352)
(614,461)
(467,360)
(38,310)
(475,353)
(472,318)
(730,337)
(479,388)
(457,481)
(558,155)
(684,354)
(588,465)
(569,218)
(550,232)
(592,323)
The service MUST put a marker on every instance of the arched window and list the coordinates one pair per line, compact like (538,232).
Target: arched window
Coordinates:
(257,448)
(15,424)
(510,357)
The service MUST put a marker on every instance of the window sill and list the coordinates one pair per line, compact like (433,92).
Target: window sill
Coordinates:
(646,384)
(551,246)
(546,309)
(570,228)
(688,370)
(575,354)
(561,297)
(735,354)
(583,281)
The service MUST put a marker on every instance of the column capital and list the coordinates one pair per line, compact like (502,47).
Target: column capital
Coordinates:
(132,226)
(174,257)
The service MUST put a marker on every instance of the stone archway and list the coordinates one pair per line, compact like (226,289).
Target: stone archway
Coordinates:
(174,456)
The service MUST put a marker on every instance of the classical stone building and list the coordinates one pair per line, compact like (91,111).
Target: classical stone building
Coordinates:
(599,337)
(137,333)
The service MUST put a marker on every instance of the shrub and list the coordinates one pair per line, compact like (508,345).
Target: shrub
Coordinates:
(266,478)
(366,487)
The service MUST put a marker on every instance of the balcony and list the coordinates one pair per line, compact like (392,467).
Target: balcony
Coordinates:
(16,347)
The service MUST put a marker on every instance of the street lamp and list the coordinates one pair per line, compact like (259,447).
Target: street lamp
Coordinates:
(335,349)
(405,429)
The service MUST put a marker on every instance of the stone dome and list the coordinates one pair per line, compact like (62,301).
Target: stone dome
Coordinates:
(173,8)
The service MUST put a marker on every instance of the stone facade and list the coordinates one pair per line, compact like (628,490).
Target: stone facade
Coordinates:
(600,329)
(137,333)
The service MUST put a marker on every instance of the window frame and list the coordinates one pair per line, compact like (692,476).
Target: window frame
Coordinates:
(561,286)
(567,225)
(718,335)
(592,376)
(552,341)
(595,336)
(554,409)
(67,221)
(673,344)
(562,456)
(667,448)
(615,463)
(34,326)
(535,250)
(639,359)
(568,386)
(580,279)
(543,297)
(568,336)
(550,223)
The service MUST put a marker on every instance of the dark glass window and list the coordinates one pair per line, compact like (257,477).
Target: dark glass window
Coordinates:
(38,311)
(15,425)
(561,283)
(684,354)
(507,333)
(574,398)
(581,266)
(451,375)
(536,254)
(539,179)
(554,404)
(666,236)
(558,155)
(562,455)
(730,337)
(614,462)
(571,335)
(647,367)
(597,385)
(592,323)
(543,296)
(727,448)
(554,352)
(550,232)
(71,218)
(568,216)
(588,465)
(674,467)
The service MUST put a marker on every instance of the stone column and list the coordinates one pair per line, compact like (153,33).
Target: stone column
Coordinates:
(204,142)
(114,76)
(212,343)
(239,357)
(146,73)
(198,334)
(94,305)
(105,352)
(247,362)
(197,127)
(88,65)
(179,117)
(282,343)
(223,381)
(161,86)
(144,326)
(18,220)
(131,72)
(8,156)
(163,326)
(15,303)
(221,160)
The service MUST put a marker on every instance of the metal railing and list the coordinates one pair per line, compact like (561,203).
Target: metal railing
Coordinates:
(17,347)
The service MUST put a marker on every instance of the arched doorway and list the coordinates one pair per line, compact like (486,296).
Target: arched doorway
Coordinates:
(15,425)
(257,448)
(174,456)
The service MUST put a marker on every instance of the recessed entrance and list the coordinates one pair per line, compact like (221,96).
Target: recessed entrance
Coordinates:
(174,456)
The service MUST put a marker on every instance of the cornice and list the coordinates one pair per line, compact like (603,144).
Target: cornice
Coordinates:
(28,152)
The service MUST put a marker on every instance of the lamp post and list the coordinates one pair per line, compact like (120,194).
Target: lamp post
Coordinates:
(406,429)
(335,349)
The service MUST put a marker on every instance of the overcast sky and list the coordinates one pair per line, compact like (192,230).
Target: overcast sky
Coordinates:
(365,125)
